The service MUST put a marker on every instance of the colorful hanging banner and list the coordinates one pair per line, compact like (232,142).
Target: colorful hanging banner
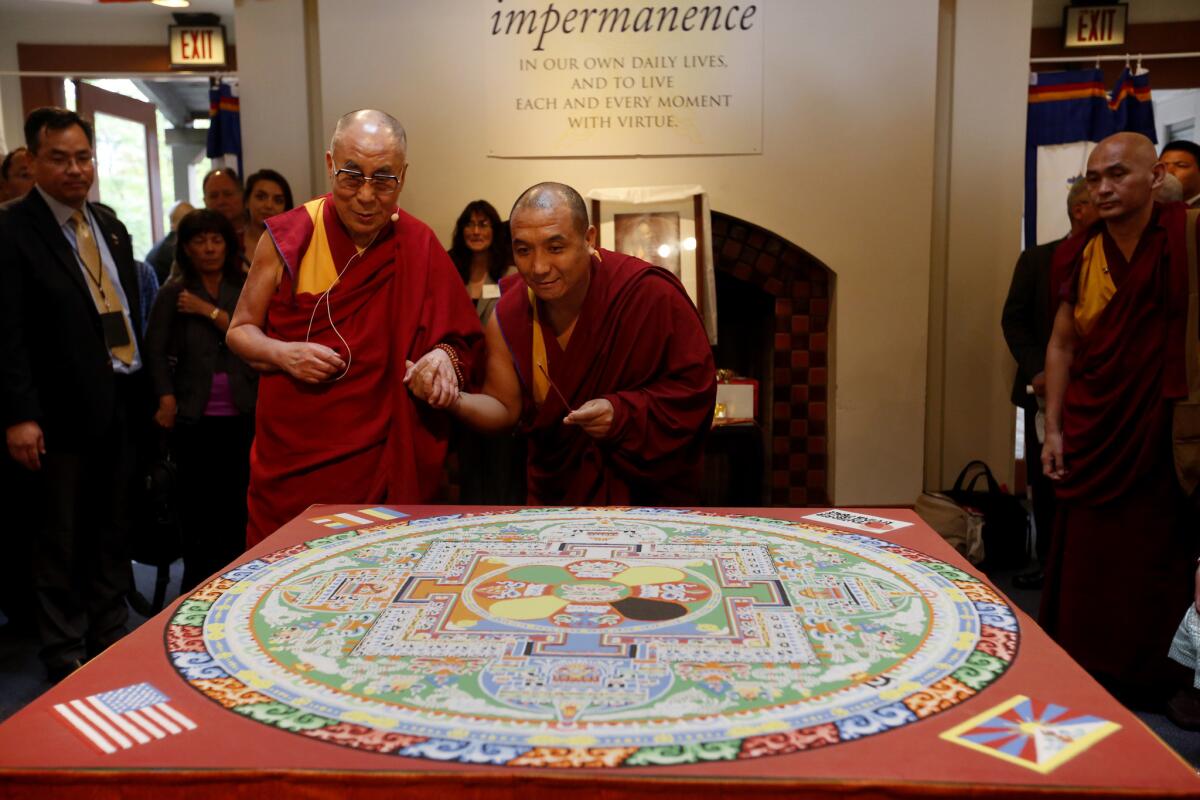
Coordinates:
(1068,113)
(225,120)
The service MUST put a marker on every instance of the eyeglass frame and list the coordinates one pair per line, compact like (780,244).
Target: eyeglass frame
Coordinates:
(66,162)
(362,179)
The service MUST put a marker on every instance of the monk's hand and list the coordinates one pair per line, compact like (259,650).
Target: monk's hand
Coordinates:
(311,362)
(26,444)
(432,379)
(1052,457)
(594,416)
(418,384)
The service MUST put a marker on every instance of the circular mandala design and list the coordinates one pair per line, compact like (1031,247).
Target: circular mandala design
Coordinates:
(592,638)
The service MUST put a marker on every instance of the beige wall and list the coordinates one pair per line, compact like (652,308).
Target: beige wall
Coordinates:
(981,156)
(274,91)
(848,122)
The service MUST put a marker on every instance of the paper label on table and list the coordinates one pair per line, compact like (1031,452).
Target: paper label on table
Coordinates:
(857,521)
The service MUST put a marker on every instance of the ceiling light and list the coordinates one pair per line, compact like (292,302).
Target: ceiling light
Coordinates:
(172,3)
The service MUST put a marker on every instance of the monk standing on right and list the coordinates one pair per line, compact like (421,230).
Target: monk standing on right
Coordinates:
(1126,535)
(603,360)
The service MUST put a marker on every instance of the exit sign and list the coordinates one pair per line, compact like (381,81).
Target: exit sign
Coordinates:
(197,45)
(1095,26)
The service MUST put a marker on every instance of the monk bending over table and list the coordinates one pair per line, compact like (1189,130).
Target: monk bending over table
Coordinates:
(342,295)
(601,358)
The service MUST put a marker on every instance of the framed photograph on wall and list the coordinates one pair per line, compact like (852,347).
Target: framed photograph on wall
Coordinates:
(652,237)
(668,226)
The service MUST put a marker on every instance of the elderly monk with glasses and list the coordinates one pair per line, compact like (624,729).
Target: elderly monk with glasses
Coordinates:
(346,297)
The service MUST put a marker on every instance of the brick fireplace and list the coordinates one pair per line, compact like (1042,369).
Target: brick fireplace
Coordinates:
(787,351)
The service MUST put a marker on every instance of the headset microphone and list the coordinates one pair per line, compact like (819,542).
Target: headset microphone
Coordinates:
(396,214)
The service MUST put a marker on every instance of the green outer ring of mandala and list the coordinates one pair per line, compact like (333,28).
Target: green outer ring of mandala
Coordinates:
(968,639)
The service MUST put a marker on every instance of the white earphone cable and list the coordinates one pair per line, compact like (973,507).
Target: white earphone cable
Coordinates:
(329,307)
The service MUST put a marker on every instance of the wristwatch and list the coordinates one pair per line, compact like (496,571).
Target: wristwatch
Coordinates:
(215,312)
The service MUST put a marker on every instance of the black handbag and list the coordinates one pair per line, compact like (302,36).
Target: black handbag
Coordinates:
(1005,518)
(157,537)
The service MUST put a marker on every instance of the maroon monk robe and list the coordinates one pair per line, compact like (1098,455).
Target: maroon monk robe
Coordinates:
(638,343)
(360,438)
(1123,552)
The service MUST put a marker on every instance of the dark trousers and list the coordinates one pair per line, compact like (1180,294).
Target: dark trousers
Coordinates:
(80,558)
(1118,577)
(213,454)
(1041,487)
(17,486)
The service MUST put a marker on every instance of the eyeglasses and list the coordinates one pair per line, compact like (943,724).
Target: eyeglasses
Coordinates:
(63,160)
(352,180)
(481,224)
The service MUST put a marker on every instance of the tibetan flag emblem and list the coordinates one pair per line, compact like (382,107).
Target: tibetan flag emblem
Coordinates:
(1038,736)
(122,718)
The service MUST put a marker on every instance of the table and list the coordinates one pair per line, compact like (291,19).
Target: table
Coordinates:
(404,651)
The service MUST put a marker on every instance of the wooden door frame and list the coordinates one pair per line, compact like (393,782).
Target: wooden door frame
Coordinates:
(92,60)
(90,99)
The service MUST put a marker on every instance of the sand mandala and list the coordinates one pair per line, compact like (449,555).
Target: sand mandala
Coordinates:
(592,638)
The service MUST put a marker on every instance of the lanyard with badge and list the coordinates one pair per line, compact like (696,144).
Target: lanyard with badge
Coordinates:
(112,323)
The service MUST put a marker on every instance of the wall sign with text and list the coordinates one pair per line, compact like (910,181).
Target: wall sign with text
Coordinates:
(1095,26)
(611,78)
(197,45)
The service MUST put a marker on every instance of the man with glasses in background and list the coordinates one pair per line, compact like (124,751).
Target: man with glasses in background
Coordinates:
(346,299)
(73,388)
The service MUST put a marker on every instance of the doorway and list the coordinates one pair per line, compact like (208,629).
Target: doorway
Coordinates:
(127,163)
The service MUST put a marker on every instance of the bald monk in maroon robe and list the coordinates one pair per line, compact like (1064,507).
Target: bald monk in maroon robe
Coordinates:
(601,358)
(1126,536)
(346,295)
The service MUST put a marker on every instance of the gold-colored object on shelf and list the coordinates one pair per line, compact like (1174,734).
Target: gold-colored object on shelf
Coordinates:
(724,375)
(719,411)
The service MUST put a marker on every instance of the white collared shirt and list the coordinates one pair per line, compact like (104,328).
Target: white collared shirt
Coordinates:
(63,214)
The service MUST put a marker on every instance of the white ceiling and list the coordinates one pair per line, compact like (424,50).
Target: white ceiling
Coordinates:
(223,7)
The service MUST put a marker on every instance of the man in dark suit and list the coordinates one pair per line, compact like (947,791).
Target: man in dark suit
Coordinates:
(1026,323)
(72,388)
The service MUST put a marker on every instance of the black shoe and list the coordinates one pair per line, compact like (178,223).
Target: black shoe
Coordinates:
(1184,709)
(57,673)
(1030,579)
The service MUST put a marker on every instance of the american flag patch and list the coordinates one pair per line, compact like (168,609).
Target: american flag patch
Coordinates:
(122,718)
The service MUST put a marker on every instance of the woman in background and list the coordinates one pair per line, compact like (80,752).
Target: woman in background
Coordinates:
(267,194)
(483,254)
(206,394)
(491,469)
